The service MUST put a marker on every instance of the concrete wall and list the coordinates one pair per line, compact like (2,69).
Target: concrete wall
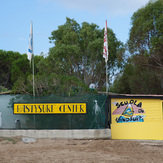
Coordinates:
(59,134)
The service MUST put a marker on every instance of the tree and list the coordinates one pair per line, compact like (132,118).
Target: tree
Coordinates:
(66,49)
(146,39)
(20,68)
(143,71)
(22,76)
(73,63)
(78,52)
(6,60)
(136,79)
(146,34)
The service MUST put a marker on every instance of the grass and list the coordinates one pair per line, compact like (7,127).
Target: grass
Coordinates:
(9,140)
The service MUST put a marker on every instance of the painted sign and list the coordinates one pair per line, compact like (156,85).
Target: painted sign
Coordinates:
(130,111)
(50,108)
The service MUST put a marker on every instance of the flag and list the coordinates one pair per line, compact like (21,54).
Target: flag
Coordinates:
(105,48)
(30,44)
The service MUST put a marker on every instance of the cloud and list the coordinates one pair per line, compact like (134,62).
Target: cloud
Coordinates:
(113,7)
(5,35)
(21,39)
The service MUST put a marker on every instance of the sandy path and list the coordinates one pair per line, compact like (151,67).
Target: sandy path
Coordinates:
(80,151)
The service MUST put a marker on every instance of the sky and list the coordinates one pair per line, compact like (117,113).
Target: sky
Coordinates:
(47,15)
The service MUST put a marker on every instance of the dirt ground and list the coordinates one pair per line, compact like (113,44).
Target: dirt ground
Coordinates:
(14,150)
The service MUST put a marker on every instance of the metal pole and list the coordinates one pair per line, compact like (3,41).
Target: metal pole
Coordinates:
(106,79)
(34,92)
(33,79)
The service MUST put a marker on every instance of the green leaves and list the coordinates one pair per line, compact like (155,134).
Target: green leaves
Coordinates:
(146,27)
(143,71)
(78,51)
(73,63)
(6,62)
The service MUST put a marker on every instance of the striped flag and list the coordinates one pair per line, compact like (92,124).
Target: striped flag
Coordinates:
(30,44)
(105,48)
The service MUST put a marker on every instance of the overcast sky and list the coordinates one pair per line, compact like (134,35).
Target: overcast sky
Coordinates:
(47,15)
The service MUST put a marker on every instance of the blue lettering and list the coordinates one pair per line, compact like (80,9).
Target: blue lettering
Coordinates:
(122,119)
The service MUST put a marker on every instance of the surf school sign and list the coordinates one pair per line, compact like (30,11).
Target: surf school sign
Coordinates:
(130,111)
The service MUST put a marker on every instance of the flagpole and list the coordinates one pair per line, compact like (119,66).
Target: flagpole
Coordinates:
(30,56)
(33,61)
(33,74)
(34,90)
(33,78)
(106,79)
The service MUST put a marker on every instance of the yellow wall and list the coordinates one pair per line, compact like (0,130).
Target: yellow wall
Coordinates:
(146,122)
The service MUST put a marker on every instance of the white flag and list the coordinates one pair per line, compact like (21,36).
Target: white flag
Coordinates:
(30,44)
(105,48)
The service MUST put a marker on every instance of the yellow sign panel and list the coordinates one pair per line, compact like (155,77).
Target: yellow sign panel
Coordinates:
(137,118)
(50,108)
(127,111)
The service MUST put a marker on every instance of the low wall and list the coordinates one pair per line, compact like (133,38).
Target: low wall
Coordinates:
(59,134)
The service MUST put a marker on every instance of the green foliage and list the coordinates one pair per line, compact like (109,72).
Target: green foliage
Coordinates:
(6,60)
(137,80)
(146,34)
(78,52)
(122,81)
(20,68)
(75,61)
(143,71)
(3,89)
